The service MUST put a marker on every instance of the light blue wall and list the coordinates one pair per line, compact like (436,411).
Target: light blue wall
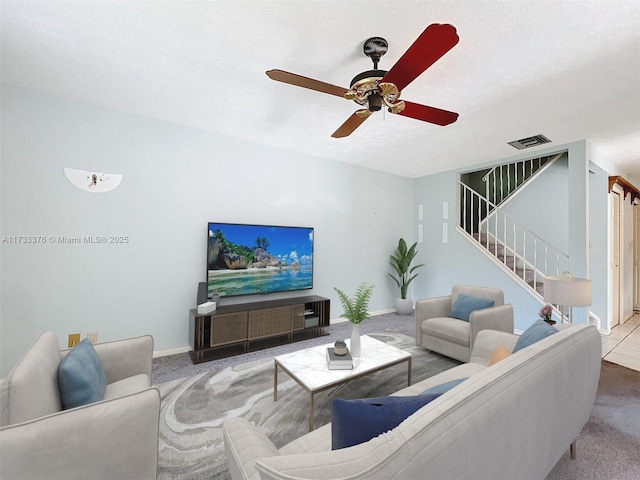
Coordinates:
(547,192)
(458,261)
(176,179)
(599,238)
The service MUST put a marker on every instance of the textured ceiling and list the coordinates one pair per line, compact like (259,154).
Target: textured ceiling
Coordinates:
(568,70)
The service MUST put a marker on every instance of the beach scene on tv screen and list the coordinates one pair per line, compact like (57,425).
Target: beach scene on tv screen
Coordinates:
(253,259)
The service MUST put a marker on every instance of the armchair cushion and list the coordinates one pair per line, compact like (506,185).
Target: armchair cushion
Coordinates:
(465,304)
(81,378)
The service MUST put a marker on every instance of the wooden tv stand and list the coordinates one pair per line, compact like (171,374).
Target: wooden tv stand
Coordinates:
(245,327)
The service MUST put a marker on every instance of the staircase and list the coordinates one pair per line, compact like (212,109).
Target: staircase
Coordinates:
(523,254)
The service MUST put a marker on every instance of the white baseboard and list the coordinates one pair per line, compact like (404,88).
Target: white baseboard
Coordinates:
(171,351)
(377,312)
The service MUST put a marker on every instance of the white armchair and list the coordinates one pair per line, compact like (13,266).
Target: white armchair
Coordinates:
(437,331)
(113,438)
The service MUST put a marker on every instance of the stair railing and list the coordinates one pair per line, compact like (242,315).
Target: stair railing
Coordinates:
(526,254)
(503,180)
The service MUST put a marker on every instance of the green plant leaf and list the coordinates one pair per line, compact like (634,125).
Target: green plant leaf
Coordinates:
(355,309)
(400,261)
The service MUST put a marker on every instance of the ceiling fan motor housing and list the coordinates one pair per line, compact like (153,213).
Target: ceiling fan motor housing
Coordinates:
(367,77)
(375,48)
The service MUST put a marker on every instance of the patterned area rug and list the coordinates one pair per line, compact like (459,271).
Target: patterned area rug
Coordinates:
(193,409)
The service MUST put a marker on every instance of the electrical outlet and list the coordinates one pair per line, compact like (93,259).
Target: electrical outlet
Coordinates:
(74,339)
(93,337)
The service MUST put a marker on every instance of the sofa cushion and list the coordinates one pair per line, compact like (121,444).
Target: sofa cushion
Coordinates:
(536,332)
(357,421)
(466,304)
(31,389)
(444,387)
(448,329)
(81,378)
(501,353)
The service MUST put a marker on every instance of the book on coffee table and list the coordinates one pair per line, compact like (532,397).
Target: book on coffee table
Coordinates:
(339,362)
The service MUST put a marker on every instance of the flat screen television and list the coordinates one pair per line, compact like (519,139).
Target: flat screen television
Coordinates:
(253,259)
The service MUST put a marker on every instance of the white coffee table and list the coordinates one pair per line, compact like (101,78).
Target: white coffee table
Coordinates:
(309,369)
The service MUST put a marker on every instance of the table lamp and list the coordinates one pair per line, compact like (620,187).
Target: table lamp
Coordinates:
(567,291)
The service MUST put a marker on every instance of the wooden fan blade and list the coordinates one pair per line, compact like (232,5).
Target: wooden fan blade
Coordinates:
(353,122)
(304,82)
(433,43)
(428,114)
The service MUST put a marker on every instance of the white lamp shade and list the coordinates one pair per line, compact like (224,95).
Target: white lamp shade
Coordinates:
(568,291)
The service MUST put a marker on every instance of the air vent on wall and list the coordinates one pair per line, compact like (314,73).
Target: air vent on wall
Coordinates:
(530,142)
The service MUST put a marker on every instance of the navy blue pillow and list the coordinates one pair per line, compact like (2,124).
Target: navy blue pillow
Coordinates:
(537,331)
(444,387)
(81,378)
(465,304)
(358,421)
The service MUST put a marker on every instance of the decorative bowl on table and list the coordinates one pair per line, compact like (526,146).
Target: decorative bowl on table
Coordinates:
(340,348)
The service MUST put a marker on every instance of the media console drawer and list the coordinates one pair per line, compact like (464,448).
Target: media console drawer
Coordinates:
(229,328)
(235,329)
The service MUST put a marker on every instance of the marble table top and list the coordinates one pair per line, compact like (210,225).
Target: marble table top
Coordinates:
(309,366)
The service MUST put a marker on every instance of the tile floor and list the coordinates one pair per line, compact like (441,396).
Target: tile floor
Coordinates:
(622,345)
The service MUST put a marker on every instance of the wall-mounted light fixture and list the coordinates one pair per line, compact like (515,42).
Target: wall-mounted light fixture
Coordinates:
(93,181)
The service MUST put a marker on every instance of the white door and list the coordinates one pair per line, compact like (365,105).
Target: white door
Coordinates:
(615,259)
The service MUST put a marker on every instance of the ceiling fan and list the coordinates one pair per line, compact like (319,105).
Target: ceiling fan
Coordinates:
(375,88)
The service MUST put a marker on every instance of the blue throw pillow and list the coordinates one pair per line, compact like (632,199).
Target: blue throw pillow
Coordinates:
(444,387)
(81,378)
(465,304)
(539,330)
(358,421)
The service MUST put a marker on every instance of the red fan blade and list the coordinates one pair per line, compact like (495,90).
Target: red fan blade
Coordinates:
(432,44)
(353,122)
(428,114)
(310,83)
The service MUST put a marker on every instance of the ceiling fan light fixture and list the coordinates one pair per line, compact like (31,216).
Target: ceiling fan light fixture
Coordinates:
(375,102)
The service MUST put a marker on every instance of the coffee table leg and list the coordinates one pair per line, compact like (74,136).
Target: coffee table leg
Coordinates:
(409,373)
(275,381)
(311,411)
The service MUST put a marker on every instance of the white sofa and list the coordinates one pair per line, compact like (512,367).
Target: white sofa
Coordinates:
(513,420)
(113,438)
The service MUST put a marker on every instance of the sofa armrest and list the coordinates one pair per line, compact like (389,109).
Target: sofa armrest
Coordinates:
(486,343)
(495,318)
(125,358)
(244,443)
(430,308)
(115,438)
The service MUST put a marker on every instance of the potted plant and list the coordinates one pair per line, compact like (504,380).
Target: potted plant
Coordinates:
(401,263)
(355,310)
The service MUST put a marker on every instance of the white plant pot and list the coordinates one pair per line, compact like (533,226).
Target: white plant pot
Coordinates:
(404,306)
(355,340)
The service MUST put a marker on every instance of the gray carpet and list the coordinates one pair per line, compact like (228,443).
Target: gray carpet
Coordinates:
(193,409)
(608,447)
